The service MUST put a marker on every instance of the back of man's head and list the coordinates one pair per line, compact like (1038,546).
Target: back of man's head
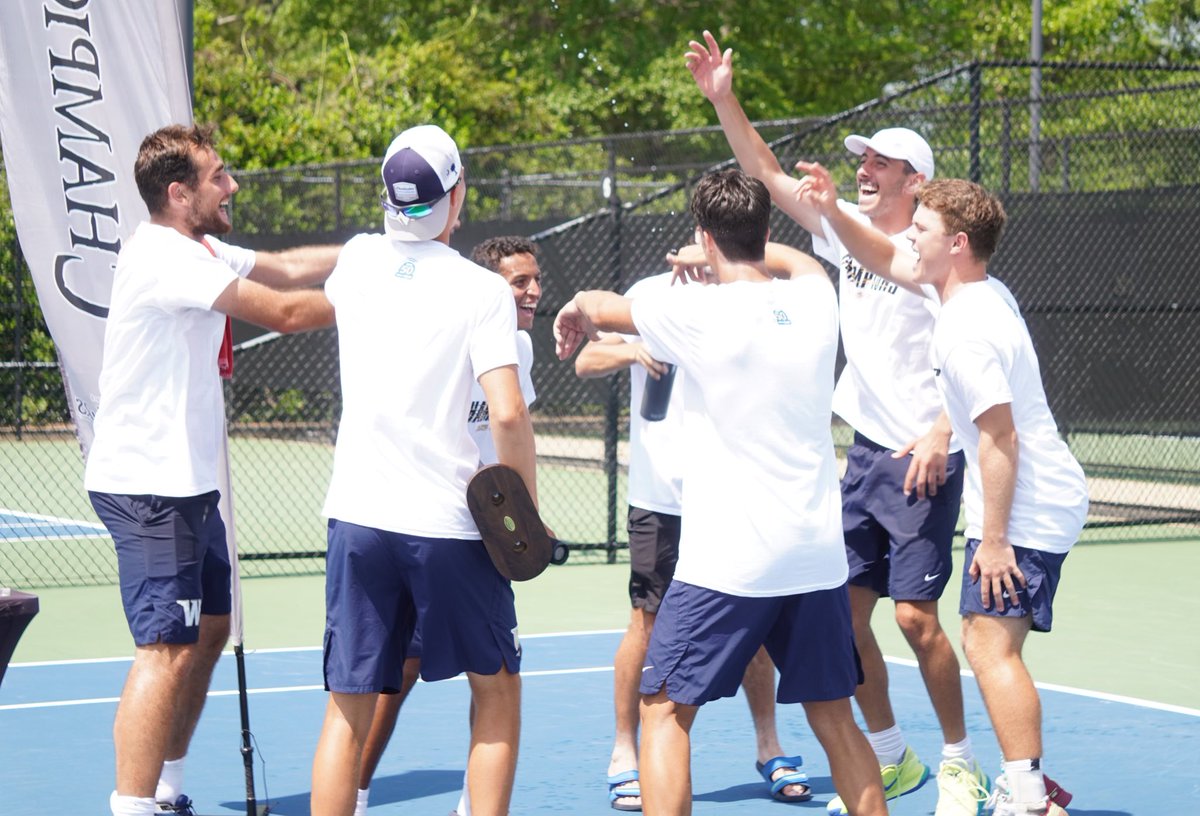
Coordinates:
(491,252)
(420,168)
(968,208)
(168,155)
(735,210)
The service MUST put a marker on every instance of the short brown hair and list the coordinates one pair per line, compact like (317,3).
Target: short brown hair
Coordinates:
(735,210)
(966,207)
(166,156)
(491,252)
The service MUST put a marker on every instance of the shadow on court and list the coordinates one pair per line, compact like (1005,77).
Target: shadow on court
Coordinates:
(385,790)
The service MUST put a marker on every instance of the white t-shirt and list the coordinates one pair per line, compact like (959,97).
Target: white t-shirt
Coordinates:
(983,356)
(477,416)
(886,391)
(162,410)
(762,510)
(655,448)
(417,325)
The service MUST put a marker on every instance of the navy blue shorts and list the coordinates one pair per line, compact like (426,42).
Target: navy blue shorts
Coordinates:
(380,584)
(653,553)
(1042,571)
(703,640)
(897,545)
(172,562)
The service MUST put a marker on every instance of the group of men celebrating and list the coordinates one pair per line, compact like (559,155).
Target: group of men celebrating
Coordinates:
(758,563)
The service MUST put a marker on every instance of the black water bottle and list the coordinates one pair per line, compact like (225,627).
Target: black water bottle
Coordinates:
(657,395)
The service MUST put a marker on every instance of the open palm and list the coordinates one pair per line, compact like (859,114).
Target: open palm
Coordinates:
(712,70)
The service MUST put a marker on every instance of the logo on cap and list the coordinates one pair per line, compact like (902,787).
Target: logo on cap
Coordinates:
(404,191)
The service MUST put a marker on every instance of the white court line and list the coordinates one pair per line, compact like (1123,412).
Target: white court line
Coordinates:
(56,519)
(275,650)
(1078,692)
(274,690)
(900,661)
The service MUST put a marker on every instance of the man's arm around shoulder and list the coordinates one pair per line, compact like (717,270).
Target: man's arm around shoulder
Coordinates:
(295,268)
(285,312)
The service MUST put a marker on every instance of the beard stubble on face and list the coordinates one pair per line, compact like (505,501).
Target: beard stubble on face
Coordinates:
(208,220)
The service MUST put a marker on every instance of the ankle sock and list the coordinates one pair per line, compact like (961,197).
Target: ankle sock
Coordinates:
(1025,780)
(132,805)
(959,750)
(170,781)
(888,745)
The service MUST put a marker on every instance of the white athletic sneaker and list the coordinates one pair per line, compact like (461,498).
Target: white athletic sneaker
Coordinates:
(962,788)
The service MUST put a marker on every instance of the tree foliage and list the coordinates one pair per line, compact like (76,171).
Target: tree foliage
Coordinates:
(300,81)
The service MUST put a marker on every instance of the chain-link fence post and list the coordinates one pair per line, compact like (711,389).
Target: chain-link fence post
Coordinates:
(612,404)
(975,169)
(19,338)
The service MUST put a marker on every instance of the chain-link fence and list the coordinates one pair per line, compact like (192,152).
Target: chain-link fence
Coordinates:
(1094,164)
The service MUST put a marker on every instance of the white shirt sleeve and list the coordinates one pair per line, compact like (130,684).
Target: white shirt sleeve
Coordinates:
(193,281)
(239,259)
(494,341)
(975,374)
(668,323)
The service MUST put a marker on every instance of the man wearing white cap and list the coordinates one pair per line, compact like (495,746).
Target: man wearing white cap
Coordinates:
(418,324)
(903,484)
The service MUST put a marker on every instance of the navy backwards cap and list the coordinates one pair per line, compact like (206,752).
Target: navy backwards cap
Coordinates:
(420,168)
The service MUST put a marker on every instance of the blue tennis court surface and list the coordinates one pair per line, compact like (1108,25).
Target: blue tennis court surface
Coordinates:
(1119,757)
(18,526)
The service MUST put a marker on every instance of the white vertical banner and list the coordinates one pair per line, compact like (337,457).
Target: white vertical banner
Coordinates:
(82,82)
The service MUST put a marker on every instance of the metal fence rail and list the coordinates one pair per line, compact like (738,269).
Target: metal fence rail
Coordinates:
(1097,173)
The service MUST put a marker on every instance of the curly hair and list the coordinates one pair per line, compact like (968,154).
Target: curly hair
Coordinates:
(491,252)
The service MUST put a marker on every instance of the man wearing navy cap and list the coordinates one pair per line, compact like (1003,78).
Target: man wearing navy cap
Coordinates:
(418,324)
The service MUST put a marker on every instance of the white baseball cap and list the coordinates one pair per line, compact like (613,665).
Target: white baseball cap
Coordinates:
(897,143)
(419,170)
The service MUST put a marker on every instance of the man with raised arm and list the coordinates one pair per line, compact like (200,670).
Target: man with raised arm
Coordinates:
(761,559)
(152,470)
(903,483)
(1026,496)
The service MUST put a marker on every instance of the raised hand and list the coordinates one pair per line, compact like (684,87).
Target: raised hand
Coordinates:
(712,70)
(816,188)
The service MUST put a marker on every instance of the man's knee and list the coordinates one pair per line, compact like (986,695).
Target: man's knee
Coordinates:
(500,689)
(987,640)
(918,620)
(214,634)
(827,717)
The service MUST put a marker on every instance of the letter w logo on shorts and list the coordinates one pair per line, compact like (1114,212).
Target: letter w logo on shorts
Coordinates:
(191,612)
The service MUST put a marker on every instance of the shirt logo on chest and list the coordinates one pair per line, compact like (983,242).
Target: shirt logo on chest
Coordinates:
(407,269)
(864,280)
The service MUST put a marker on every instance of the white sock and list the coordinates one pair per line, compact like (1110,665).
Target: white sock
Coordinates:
(132,805)
(464,801)
(888,745)
(360,803)
(959,750)
(1025,780)
(170,781)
